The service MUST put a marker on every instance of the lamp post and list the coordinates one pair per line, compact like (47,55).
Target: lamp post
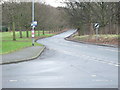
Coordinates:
(33,32)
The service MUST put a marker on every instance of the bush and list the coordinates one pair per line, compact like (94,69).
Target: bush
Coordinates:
(4,29)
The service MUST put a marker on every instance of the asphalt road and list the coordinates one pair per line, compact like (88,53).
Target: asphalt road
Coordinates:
(65,64)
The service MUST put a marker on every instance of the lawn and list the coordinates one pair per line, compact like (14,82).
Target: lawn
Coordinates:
(8,45)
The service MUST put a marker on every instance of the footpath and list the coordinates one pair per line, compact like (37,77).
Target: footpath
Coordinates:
(25,54)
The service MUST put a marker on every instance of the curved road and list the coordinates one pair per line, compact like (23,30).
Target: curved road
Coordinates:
(65,64)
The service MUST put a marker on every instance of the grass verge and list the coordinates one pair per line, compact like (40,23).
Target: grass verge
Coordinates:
(102,39)
(8,45)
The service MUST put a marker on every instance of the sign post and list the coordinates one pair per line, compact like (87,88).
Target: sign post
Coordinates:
(96,28)
(33,31)
(32,23)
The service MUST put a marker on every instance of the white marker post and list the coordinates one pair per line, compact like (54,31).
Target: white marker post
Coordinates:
(33,35)
(33,31)
(34,23)
(96,28)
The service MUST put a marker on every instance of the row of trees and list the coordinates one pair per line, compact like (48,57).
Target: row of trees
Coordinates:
(84,15)
(76,14)
(19,15)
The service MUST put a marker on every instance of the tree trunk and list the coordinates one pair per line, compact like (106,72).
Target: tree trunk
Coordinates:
(38,32)
(14,37)
(49,31)
(91,28)
(43,32)
(27,33)
(20,32)
(78,30)
(8,28)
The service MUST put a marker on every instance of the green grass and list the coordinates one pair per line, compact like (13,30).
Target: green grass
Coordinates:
(108,36)
(8,45)
(94,36)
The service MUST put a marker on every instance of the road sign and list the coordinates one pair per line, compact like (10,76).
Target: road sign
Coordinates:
(96,25)
(34,23)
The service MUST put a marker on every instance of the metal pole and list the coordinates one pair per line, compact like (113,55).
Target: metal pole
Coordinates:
(32,22)
(32,10)
(96,34)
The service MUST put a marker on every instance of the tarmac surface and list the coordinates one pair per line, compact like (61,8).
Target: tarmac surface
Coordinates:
(65,64)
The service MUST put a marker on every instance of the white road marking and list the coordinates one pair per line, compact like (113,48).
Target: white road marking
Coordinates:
(102,80)
(93,75)
(13,80)
(116,65)
(110,50)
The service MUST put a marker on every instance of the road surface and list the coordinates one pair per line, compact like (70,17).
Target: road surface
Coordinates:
(65,64)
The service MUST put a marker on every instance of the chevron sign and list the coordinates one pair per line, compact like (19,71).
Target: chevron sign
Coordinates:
(97,25)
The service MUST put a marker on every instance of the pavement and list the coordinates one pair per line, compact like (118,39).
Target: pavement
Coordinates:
(25,54)
(65,64)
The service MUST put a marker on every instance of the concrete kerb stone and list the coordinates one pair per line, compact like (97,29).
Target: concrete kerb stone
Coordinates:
(26,59)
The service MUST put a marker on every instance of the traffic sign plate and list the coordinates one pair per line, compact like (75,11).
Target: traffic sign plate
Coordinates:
(96,25)
(34,23)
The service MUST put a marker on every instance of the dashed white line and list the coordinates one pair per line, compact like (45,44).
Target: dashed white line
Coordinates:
(13,80)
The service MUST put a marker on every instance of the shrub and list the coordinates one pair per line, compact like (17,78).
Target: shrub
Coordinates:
(4,29)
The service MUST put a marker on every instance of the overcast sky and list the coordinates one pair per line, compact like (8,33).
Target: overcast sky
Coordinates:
(54,3)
